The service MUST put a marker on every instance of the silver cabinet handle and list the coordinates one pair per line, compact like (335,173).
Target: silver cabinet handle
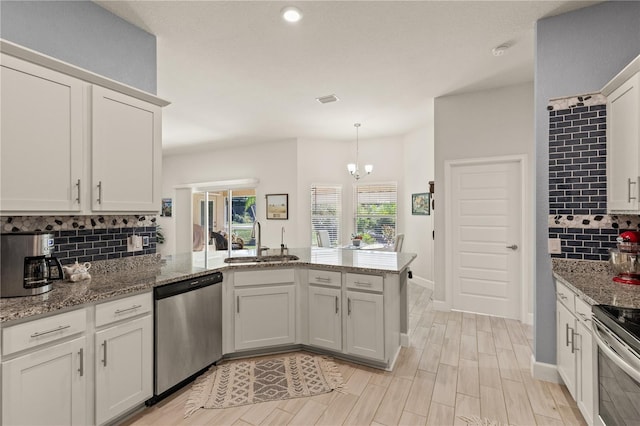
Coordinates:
(120,311)
(629,183)
(573,342)
(42,333)
(78,186)
(238,304)
(566,335)
(363,283)
(99,192)
(323,279)
(584,317)
(513,247)
(81,369)
(336,304)
(104,353)
(348,306)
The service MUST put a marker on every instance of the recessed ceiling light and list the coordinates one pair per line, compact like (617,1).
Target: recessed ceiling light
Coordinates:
(291,14)
(327,99)
(500,50)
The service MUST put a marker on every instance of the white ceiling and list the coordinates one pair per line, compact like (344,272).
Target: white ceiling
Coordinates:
(237,74)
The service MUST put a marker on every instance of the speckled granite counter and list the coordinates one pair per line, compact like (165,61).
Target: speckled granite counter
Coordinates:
(592,282)
(113,279)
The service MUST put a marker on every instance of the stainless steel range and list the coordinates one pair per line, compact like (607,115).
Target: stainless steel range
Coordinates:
(617,333)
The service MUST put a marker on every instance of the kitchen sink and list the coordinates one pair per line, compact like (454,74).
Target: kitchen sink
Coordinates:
(269,258)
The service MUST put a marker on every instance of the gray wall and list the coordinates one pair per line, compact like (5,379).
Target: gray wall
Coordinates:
(491,123)
(83,34)
(576,53)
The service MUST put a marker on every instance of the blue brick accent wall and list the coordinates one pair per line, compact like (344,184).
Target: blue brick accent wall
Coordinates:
(88,245)
(578,181)
(88,238)
(578,161)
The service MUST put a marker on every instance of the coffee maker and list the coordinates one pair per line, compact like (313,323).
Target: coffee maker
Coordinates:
(26,265)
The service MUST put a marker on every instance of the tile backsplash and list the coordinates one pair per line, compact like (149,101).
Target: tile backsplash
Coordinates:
(578,180)
(88,238)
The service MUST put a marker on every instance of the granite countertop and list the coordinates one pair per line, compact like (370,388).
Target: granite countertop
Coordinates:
(112,279)
(592,282)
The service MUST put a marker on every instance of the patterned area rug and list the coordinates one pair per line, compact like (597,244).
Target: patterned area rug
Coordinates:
(477,421)
(247,381)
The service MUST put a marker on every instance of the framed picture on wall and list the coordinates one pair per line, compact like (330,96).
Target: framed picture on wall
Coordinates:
(420,203)
(167,205)
(278,206)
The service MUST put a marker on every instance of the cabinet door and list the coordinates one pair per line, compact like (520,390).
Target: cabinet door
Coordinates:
(124,367)
(365,324)
(126,153)
(585,369)
(47,387)
(325,320)
(623,147)
(566,357)
(41,137)
(265,316)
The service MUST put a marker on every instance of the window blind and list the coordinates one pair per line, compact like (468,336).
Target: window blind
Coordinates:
(376,207)
(326,212)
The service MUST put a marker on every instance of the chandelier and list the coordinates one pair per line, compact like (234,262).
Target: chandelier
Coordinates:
(354,168)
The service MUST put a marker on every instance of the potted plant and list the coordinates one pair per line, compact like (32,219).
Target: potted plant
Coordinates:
(356,239)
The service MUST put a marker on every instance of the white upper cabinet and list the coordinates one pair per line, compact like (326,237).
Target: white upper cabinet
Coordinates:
(41,138)
(623,140)
(126,153)
(73,141)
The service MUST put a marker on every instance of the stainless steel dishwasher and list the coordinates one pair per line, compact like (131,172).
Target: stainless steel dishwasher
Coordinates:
(188,331)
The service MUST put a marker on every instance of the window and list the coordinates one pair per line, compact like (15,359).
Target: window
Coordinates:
(376,212)
(326,212)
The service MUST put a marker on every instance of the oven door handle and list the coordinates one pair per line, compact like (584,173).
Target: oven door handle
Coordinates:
(609,344)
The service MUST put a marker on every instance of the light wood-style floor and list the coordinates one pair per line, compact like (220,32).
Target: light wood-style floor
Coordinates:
(458,365)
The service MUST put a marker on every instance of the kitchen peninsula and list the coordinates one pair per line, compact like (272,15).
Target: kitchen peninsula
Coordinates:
(366,292)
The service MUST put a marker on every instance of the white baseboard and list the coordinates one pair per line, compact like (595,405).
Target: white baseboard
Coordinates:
(441,305)
(422,282)
(544,371)
(404,340)
(530,318)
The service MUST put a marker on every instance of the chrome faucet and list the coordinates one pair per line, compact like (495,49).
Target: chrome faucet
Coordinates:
(258,239)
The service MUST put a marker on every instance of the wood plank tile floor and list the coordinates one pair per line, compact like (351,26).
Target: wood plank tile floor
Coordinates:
(458,365)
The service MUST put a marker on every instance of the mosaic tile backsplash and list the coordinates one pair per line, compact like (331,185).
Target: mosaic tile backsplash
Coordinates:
(578,180)
(88,238)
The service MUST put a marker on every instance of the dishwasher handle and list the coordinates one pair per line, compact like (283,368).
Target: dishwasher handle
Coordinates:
(173,289)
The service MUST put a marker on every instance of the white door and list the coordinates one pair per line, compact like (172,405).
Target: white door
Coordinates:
(47,387)
(265,316)
(565,349)
(365,324)
(124,367)
(325,320)
(42,145)
(486,238)
(126,153)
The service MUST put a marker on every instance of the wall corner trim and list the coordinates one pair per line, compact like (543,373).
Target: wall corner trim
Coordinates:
(544,371)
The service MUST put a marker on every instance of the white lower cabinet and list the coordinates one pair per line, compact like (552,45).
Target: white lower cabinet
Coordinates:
(575,350)
(124,367)
(265,316)
(325,318)
(365,325)
(566,357)
(46,387)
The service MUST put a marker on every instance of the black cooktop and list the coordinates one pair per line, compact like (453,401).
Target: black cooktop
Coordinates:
(627,319)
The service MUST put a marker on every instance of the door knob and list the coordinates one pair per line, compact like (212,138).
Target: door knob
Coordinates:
(513,247)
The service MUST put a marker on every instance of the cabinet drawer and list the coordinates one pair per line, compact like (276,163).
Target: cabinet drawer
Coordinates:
(258,277)
(364,282)
(583,310)
(329,278)
(566,296)
(120,309)
(45,330)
